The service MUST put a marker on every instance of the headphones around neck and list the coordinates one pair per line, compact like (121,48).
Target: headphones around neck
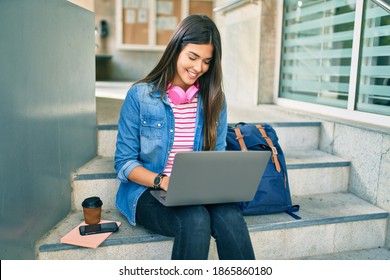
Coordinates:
(178,96)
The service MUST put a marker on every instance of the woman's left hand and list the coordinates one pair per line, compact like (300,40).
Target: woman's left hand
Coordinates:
(165,183)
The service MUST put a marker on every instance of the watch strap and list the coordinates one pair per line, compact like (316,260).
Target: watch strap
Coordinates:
(158,180)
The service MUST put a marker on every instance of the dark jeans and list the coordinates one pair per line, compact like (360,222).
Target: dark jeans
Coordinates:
(192,227)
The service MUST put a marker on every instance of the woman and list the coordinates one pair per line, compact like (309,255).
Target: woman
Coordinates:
(155,124)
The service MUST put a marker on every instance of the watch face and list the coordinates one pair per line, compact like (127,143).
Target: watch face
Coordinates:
(157,180)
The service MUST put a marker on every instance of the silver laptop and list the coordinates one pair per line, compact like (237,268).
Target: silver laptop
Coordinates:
(213,177)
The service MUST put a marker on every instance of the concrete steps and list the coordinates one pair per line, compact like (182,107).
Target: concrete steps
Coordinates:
(306,136)
(333,220)
(304,168)
(325,207)
(331,223)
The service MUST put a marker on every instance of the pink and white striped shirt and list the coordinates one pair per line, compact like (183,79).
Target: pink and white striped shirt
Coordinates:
(185,117)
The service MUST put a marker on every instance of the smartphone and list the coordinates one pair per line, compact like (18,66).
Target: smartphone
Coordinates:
(98,228)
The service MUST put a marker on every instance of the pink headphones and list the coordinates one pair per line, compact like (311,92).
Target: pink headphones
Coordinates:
(178,96)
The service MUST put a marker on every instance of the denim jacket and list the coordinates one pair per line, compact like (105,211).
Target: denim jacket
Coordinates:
(145,137)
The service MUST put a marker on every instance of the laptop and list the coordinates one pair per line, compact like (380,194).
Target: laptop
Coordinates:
(209,177)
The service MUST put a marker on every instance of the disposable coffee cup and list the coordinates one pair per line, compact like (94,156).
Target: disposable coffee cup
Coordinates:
(92,208)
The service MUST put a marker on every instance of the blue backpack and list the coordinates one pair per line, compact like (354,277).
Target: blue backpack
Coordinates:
(273,193)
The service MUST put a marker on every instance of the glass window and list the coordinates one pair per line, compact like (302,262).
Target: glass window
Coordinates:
(374,79)
(317,51)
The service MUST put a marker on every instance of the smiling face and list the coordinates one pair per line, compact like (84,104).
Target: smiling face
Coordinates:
(193,62)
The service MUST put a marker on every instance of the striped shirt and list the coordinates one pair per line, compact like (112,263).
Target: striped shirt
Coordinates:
(185,117)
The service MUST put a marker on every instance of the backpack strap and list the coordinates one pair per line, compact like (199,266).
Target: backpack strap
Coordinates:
(294,208)
(271,145)
(240,138)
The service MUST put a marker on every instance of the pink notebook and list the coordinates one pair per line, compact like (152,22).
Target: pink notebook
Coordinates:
(91,241)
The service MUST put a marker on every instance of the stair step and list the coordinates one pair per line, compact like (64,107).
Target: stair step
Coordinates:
(96,178)
(380,253)
(331,223)
(106,139)
(314,172)
(304,168)
(306,136)
(306,130)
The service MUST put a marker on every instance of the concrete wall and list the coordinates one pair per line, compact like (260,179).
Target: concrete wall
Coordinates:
(240,31)
(249,36)
(47,115)
(368,149)
(86,4)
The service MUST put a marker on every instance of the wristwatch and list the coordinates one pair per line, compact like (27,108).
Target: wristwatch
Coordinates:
(158,180)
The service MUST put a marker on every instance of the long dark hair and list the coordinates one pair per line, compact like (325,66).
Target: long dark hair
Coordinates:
(195,29)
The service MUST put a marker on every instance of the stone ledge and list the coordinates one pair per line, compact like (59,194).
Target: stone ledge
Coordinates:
(315,210)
